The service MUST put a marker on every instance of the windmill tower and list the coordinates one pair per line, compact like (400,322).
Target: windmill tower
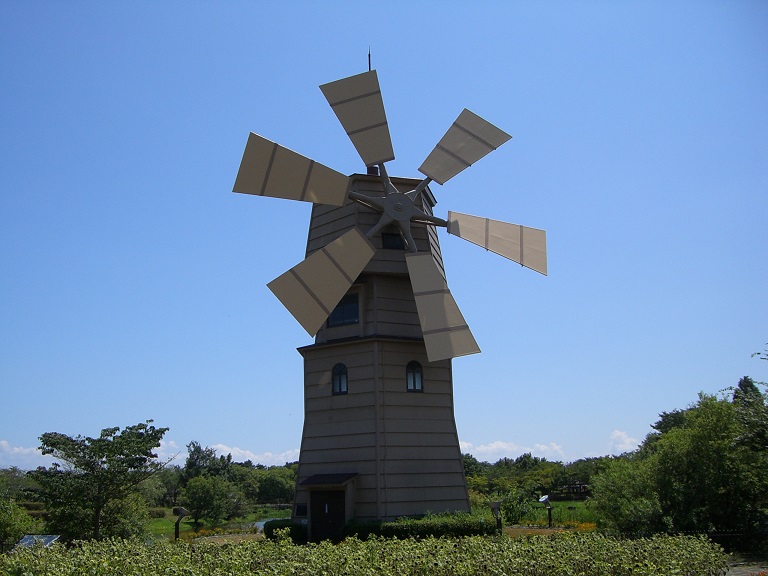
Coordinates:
(379,438)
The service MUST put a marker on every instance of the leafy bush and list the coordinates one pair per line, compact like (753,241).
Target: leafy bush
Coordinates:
(561,555)
(515,508)
(435,525)
(298,532)
(14,523)
(157,512)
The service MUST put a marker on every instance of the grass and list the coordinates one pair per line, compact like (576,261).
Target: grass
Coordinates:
(161,528)
(565,514)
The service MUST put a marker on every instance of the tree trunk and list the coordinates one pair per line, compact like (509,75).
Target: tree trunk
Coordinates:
(97,520)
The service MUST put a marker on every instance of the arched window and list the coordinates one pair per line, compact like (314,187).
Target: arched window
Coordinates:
(339,379)
(413,377)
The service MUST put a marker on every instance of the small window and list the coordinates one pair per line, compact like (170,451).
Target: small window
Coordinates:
(346,312)
(392,241)
(339,379)
(413,379)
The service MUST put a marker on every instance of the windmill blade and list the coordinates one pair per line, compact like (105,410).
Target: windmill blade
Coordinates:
(467,140)
(268,169)
(311,289)
(359,107)
(526,246)
(446,334)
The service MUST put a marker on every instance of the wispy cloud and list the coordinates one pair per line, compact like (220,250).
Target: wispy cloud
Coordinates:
(22,457)
(170,451)
(622,442)
(265,458)
(494,451)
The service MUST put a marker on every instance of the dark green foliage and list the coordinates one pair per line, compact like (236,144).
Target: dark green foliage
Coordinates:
(625,500)
(92,494)
(514,508)
(560,555)
(212,497)
(704,470)
(670,420)
(276,485)
(14,523)
(204,461)
(297,532)
(254,484)
(529,477)
(431,525)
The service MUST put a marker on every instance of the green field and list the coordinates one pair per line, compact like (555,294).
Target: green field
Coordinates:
(161,528)
(567,514)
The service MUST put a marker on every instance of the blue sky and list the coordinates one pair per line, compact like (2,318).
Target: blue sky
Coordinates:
(133,280)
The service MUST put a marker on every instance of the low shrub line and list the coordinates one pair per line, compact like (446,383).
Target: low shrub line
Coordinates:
(563,554)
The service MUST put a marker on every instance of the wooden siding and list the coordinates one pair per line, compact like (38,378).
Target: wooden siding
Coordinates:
(402,445)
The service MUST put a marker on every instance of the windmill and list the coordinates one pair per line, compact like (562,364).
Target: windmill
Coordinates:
(372,291)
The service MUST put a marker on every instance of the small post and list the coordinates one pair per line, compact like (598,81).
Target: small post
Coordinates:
(548,505)
(369,58)
(496,511)
(181,512)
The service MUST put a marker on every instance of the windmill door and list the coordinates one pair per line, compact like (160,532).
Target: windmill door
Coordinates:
(327,515)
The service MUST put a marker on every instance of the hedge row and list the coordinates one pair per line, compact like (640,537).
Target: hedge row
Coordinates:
(436,525)
(564,554)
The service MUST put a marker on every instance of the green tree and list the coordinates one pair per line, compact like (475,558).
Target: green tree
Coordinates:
(703,469)
(752,413)
(95,476)
(246,477)
(707,477)
(171,478)
(13,483)
(199,461)
(276,484)
(624,497)
(14,523)
(213,498)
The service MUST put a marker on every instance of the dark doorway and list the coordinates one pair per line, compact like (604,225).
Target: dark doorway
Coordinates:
(327,515)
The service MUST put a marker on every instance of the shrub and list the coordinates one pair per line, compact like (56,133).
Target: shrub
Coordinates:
(298,532)
(561,555)
(157,512)
(435,525)
(515,508)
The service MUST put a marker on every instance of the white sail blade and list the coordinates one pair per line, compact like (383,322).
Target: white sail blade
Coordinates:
(446,334)
(268,169)
(468,139)
(311,289)
(526,246)
(358,105)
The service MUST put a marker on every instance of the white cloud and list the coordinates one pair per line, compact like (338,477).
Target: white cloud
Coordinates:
(622,442)
(265,458)
(22,457)
(494,451)
(169,450)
